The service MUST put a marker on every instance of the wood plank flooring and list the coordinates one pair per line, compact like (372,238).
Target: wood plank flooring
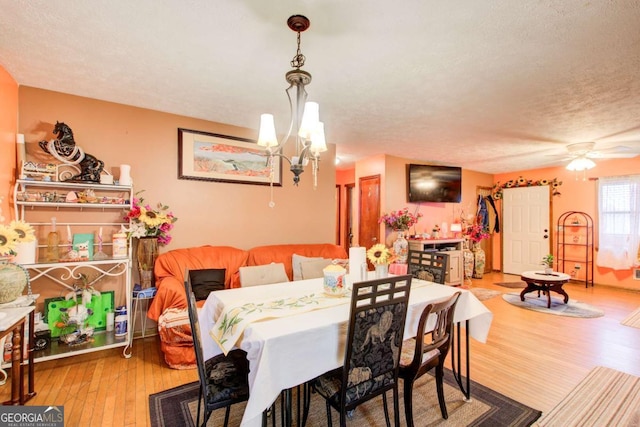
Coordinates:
(531,357)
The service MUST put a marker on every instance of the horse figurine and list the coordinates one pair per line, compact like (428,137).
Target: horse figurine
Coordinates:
(64,149)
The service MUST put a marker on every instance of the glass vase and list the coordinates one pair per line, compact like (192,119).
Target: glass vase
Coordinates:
(146,255)
(401,248)
(382,271)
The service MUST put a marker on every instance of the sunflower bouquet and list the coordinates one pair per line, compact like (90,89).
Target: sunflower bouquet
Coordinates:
(15,233)
(149,222)
(379,254)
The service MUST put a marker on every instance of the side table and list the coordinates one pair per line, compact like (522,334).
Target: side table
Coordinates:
(545,282)
(142,297)
(13,320)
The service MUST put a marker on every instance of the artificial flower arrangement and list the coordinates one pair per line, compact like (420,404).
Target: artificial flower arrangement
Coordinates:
(400,220)
(523,182)
(547,260)
(476,233)
(379,254)
(148,222)
(16,232)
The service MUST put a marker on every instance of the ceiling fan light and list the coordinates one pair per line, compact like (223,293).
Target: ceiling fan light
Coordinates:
(580,164)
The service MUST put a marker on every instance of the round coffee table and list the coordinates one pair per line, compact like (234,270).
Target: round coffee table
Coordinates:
(545,282)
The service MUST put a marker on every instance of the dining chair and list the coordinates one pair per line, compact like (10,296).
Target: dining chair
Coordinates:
(224,380)
(372,352)
(267,274)
(428,265)
(428,350)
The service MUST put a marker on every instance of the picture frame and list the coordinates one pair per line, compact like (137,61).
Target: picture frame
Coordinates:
(205,156)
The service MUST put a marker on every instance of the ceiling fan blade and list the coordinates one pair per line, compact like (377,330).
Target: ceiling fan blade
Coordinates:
(618,152)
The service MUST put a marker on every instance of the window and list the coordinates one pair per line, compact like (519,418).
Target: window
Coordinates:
(619,221)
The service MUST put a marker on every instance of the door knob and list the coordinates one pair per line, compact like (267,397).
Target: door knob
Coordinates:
(546,236)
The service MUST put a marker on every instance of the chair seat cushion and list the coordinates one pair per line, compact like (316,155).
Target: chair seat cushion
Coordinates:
(228,377)
(328,384)
(408,350)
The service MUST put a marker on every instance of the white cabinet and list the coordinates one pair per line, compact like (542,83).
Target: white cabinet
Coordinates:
(89,209)
(451,247)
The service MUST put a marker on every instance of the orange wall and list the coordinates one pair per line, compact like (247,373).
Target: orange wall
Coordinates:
(578,194)
(208,212)
(393,193)
(8,130)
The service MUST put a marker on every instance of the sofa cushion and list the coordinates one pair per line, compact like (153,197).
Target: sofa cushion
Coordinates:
(296,264)
(262,275)
(261,255)
(314,268)
(206,280)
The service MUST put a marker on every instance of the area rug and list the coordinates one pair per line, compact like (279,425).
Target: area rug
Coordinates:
(484,294)
(606,397)
(511,284)
(572,309)
(633,319)
(178,407)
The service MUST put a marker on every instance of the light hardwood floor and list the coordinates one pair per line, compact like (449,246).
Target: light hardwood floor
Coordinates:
(531,357)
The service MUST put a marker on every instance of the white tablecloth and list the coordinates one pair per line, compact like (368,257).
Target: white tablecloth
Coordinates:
(288,351)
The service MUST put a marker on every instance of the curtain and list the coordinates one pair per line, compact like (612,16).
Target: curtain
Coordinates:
(619,222)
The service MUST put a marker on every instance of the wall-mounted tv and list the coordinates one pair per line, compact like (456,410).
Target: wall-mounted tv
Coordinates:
(429,183)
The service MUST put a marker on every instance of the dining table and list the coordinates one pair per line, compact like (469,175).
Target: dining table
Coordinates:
(288,347)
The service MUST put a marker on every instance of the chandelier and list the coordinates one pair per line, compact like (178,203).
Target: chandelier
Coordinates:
(305,124)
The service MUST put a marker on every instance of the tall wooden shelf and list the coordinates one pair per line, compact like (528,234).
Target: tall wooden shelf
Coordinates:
(574,247)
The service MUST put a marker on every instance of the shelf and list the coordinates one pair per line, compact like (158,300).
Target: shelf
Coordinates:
(73,185)
(35,199)
(74,205)
(102,340)
(575,244)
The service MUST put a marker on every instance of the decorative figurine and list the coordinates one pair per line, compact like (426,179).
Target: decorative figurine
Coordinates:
(64,149)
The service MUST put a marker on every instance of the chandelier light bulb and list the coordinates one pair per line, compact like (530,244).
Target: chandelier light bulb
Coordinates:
(267,136)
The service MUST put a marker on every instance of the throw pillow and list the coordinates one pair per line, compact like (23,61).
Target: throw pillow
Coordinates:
(296,260)
(313,269)
(206,280)
(262,274)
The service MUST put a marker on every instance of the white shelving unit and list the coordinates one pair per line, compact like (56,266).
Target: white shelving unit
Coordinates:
(451,247)
(36,202)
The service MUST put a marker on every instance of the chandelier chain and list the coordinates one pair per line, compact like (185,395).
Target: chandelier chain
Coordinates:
(298,59)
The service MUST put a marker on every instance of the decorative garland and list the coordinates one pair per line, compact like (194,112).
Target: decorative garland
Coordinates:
(522,182)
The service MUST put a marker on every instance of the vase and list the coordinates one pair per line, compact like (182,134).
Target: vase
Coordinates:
(26,252)
(13,280)
(146,255)
(478,261)
(401,248)
(468,261)
(382,271)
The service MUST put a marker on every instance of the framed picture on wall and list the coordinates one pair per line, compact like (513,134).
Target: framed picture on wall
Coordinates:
(207,156)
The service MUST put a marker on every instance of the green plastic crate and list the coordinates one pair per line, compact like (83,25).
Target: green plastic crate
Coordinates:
(99,305)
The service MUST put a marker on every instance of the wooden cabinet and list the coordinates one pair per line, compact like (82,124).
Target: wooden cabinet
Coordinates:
(87,209)
(452,248)
(574,249)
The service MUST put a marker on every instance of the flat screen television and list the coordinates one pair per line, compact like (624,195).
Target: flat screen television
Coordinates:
(429,183)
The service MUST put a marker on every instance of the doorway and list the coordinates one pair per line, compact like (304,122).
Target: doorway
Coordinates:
(487,244)
(526,228)
(350,209)
(368,227)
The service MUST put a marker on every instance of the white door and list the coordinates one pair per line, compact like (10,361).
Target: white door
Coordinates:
(526,233)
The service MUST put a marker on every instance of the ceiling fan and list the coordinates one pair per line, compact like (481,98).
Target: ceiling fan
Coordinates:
(581,153)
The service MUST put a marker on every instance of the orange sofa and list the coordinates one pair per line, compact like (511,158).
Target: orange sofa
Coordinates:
(168,307)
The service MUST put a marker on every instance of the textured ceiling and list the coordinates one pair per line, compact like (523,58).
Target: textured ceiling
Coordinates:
(492,86)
